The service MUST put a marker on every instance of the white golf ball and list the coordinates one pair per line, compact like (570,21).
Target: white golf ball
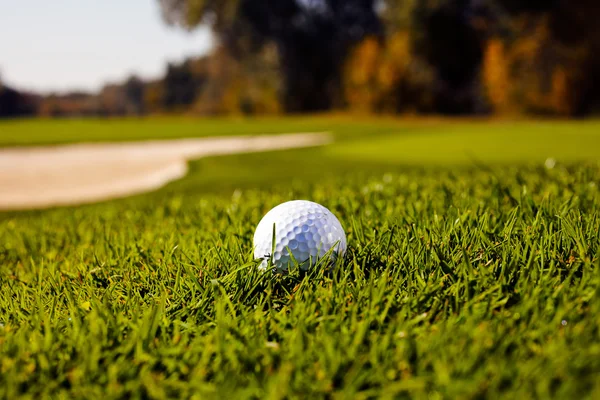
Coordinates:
(305,229)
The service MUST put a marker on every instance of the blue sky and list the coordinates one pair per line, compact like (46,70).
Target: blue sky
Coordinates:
(58,45)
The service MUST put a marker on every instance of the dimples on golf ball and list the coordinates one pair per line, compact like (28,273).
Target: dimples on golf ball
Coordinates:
(307,229)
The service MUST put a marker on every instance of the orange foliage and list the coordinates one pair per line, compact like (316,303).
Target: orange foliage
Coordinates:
(360,82)
(374,71)
(533,74)
(495,74)
(560,98)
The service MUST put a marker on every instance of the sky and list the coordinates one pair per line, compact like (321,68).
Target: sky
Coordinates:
(61,45)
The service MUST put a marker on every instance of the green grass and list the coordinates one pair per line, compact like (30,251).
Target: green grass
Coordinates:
(37,132)
(497,143)
(461,281)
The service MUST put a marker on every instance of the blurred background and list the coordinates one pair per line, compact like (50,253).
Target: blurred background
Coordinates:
(262,57)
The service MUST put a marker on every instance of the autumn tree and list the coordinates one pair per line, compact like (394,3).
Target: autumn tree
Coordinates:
(182,84)
(544,56)
(14,103)
(312,39)
(134,89)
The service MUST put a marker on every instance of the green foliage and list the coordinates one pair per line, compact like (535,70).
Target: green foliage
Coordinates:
(220,14)
(454,63)
(310,39)
(462,282)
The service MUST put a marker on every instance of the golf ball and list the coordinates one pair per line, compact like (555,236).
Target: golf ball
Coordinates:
(303,229)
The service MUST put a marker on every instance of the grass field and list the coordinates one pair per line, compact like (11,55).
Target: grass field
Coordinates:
(29,132)
(473,270)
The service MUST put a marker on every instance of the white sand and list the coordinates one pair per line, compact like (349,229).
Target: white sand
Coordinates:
(40,177)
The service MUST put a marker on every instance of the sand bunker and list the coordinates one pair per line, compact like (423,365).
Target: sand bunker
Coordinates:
(40,177)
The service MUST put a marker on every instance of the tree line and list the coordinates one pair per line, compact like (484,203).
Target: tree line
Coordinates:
(457,57)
